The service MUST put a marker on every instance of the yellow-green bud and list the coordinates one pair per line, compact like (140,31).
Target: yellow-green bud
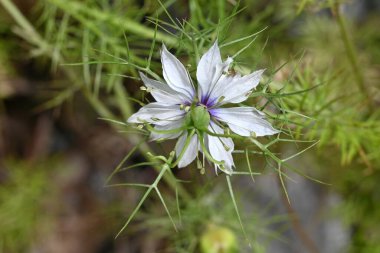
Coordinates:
(218,239)
(200,117)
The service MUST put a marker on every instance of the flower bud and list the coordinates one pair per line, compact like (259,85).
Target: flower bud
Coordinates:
(218,239)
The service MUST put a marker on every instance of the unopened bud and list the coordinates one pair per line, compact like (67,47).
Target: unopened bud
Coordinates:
(199,164)
(218,239)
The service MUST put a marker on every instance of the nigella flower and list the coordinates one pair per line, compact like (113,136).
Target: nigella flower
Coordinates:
(198,117)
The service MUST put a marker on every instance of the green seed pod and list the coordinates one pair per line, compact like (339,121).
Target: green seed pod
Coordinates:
(200,117)
(218,239)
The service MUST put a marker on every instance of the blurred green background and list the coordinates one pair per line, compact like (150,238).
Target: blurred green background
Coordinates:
(65,64)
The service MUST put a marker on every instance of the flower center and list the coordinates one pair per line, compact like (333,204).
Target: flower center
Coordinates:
(207,101)
(200,117)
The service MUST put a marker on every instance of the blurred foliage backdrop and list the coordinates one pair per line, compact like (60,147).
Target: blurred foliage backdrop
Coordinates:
(65,64)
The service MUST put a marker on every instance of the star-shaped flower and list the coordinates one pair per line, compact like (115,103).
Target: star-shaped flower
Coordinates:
(198,116)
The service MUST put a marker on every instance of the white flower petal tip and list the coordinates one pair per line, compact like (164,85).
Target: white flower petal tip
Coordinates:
(176,75)
(228,171)
(239,88)
(162,92)
(207,67)
(210,69)
(229,61)
(244,121)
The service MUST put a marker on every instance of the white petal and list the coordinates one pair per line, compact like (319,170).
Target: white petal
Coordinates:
(244,120)
(209,72)
(170,126)
(236,89)
(217,147)
(207,66)
(162,92)
(157,113)
(190,152)
(176,75)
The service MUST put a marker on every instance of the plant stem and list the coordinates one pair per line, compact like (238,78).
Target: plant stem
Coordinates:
(34,37)
(146,194)
(127,24)
(352,56)
(205,151)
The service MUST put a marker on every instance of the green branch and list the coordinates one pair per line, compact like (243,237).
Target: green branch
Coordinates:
(352,57)
(128,25)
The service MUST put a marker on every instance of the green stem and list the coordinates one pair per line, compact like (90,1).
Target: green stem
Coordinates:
(235,136)
(205,151)
(146,194)
(91,26)
(196,51)
(352,54)
(221,8)
(30,33)
(127,24)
